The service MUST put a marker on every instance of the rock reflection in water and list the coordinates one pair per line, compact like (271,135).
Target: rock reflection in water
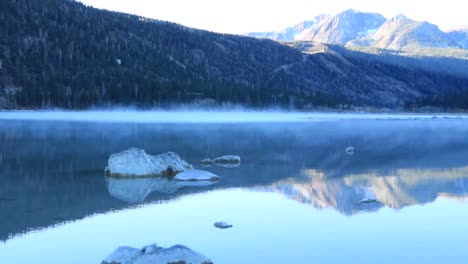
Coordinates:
(45,183)
(136,190)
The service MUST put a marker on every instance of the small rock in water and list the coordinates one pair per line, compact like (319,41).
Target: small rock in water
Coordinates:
(228,161)
(350,150)
(196,175)
(368,200)
(206,162)
(222,225)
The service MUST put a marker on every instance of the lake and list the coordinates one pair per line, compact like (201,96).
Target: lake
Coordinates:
(297,196)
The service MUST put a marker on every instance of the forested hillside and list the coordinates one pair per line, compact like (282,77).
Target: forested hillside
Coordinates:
(60,53)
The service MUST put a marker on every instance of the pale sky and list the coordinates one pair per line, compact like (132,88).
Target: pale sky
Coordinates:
(242,16)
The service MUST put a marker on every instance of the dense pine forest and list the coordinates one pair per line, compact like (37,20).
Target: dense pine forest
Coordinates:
(61,53)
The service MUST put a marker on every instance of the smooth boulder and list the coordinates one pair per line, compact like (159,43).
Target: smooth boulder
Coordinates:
(136,162)
(196,175)
(350,150)
(206,162)
(222,225)
(227,161)
(153,254)
(368,200)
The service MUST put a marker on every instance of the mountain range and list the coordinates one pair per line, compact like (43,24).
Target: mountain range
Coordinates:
(353,28)
(63,54)
(296,32)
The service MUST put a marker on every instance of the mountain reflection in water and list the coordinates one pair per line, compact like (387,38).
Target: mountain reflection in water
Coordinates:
(53,172)
(395,189)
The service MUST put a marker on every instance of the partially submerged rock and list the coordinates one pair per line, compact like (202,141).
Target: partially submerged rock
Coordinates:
(368,200)
(222,225)
(206,162)
(134,163)
(153,254)
(350,150)
(196,175)
(228,161)
(123,255)
(232,159)
(170,164)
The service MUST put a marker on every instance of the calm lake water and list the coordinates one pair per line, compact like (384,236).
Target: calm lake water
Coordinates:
(295,198)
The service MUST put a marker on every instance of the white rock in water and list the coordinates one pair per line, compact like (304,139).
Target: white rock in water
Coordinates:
(156,255)
(350,150)
(130,162)
(136,163)
(222,225)
(169,164)
(227,159)
(123,255)
(196,175)
(174,254)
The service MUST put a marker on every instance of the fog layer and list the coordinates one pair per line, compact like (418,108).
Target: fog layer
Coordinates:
(205,116)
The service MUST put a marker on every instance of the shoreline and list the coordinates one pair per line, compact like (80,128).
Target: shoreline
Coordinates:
(133,116)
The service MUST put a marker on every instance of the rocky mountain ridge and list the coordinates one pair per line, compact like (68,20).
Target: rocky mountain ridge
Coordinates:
(354,28)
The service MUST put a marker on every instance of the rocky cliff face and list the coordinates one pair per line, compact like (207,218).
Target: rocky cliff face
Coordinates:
(357,29)
(400,33)
(345,27)
(296,32)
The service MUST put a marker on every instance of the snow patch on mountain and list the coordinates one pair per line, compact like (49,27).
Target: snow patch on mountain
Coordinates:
(400,33)
(352,28)
(295,32)
(346,26)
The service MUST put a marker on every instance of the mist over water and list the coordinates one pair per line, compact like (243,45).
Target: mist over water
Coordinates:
(199,116)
